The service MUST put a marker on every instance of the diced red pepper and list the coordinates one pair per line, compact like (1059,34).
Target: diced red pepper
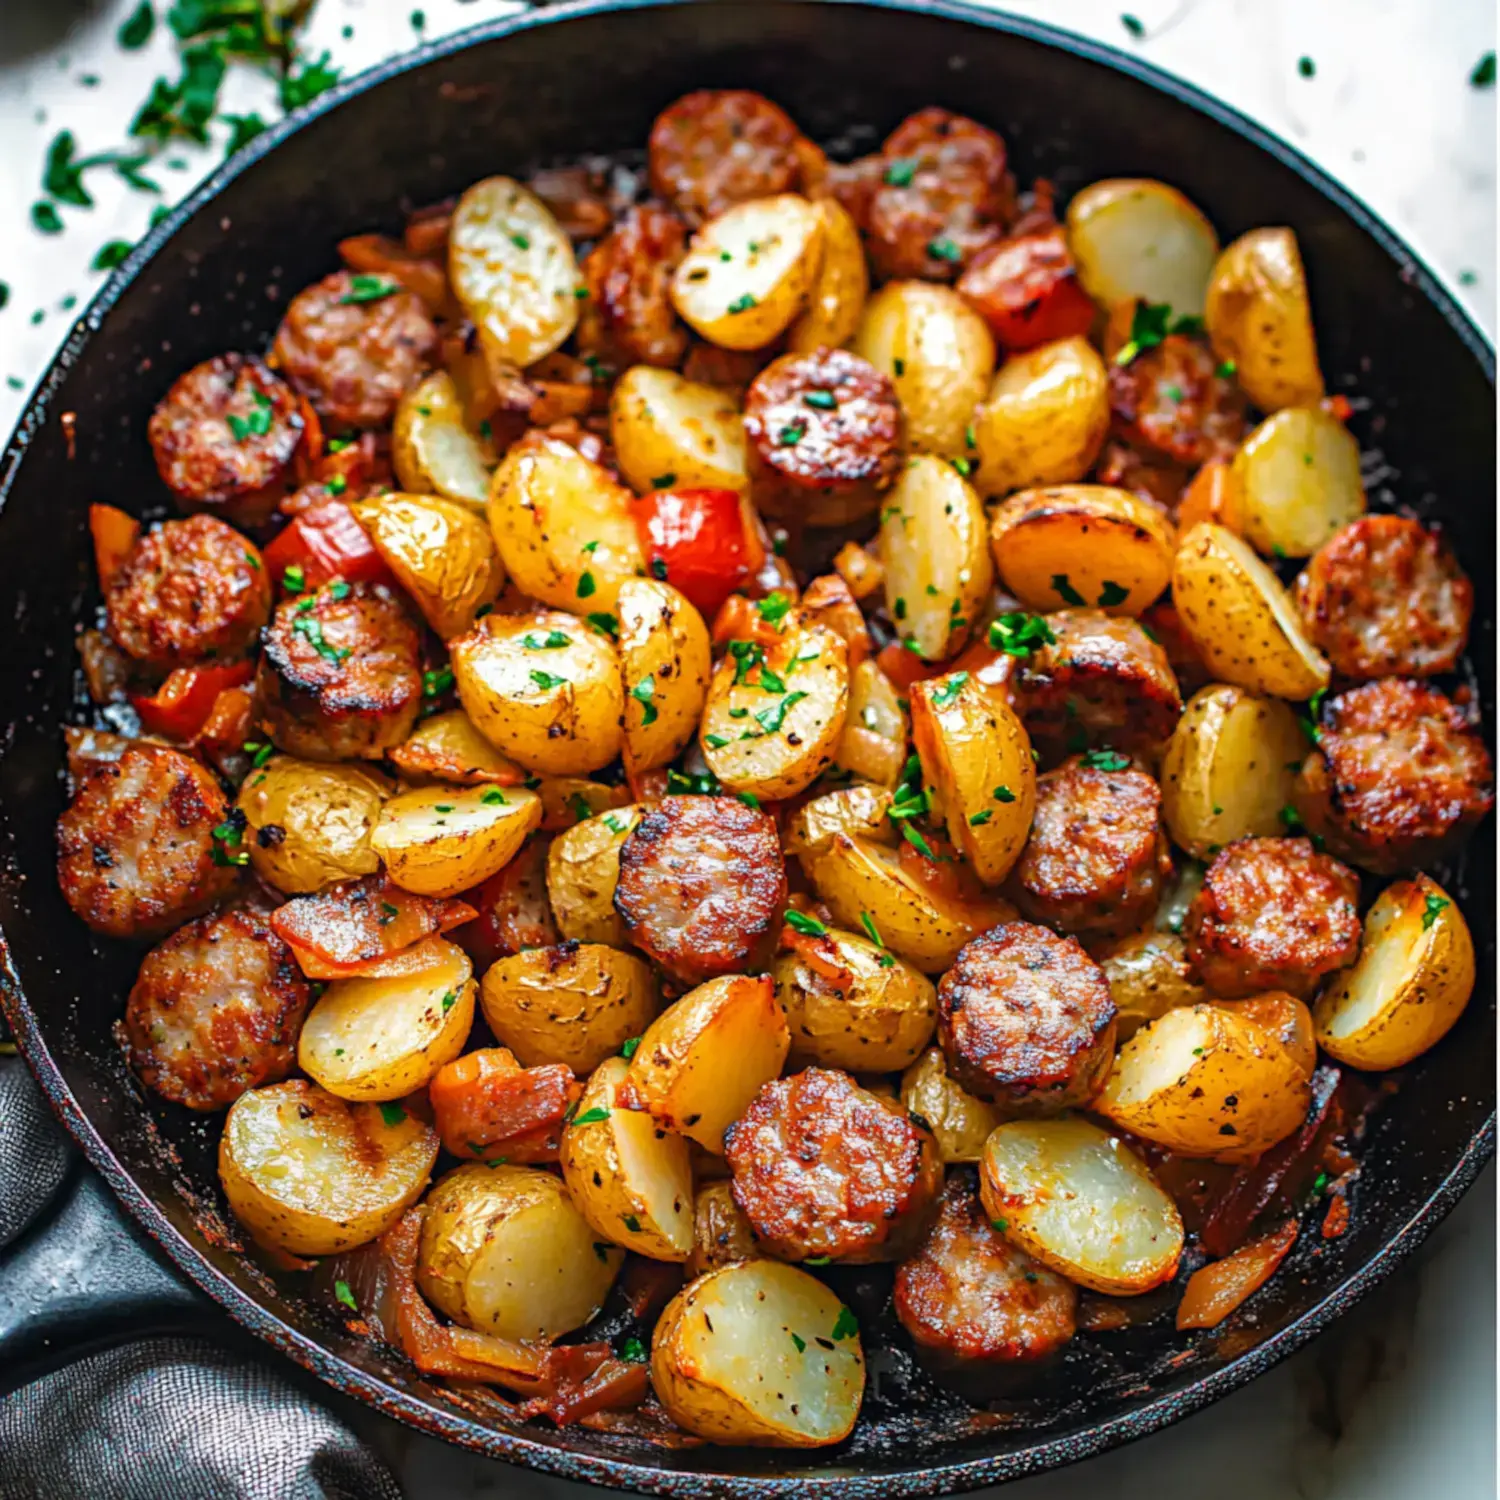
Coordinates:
(701,541)
(114,535)
(1027,289)
(739,619)
(181,706)
(326,542)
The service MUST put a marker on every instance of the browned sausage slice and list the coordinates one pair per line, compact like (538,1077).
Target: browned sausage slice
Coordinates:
(628,318)
(189,591)
(1025,1018)
(513,909)
(1171,402)
(216,1010)
(1384,597)
(136,852)
(1273,914)
(968,1294)
(341,676)
(702,887)
(822,1167)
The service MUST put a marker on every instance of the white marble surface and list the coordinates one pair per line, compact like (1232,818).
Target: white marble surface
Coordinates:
(1398,1401)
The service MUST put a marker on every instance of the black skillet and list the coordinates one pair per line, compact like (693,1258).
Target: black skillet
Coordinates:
(590,77)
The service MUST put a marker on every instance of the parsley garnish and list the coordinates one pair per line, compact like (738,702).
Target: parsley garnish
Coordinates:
(943,248)
(605,623)
(1149,325)
(1003,794)
(799,1343)
(311,630)
(1483,76)
(952,686)
(664,481)
(364,288)
(341,1289)
(643,692)
(634,1351)
(627,1050)
(591,1116)
(791,434)
(900,172)
(1132,24)
(586,585)
(546,679)
(1112,594)
(449,1001)
(552,641)
(1065,590)
(437,682)
(1019,634)
(632,1223)
(741,304)
(1105,760)
(135,31)
(771,719)
(976,819)
(799,921)
(392,1114)
(773,608)
(845,1326)
(1430,910)
(492,796)
(820,400)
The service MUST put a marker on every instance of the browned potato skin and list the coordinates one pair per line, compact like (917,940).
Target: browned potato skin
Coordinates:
(1148,974)
(1026,1019)
(969,1295)
(721,1232)
(822,1167)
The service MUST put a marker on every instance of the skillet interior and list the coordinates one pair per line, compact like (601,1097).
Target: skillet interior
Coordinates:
(533,92)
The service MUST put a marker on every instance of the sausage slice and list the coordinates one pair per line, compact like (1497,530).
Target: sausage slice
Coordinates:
(628,318)
(1027,289)
(1171,402)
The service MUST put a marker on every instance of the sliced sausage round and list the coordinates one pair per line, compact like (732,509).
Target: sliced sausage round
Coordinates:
(189,591)
(702,887)
(1384,597)
(1154,479)
(341,676)
(627,317)
(1273,914)
(1171,402)
(136,852)
(1097,855)
(354,345)
(821,1167)
(970,1295)
(216,1010)
(1399,779)
(224,437)
(1027,289)
(1025,1018)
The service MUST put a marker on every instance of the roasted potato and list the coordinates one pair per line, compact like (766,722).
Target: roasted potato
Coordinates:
(934,544)
(512,268)
(759,1353)
(569,800)
(750,271)
(544,689)
(632,1180)
(862,810)
(1111,546)
(840,288)
(563,526)
(1280,1018)
(940,355)
(583,868)
(721,1233)
(1229,768)
(1411,982)
(976,755)
(577,1003)
(670,431)
(1235,611)
(321,817)
(310,1174)
(441,553)
(504,1250)
(701,1061)
(433,450)
(1082,1203)
(960,1123)
(873,744)
(666,661)
(1299,482)
(440,840)
(447,747)
(1258,315)
(1044,418)
(1148,975)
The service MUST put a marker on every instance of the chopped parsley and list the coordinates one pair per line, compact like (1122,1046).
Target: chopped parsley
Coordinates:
(1226,369)
(135,31)
(1003,794)
(632,1223)
(492,796)
(1112,594)
(799,921)
(627,1050)
(366,288)
(845,1326)
(901,171)
(1019,634)
(259,752)
(311,630)
(521,241)
(341,1289)
(1430,910)
(979,818)
(965,466)
(952,686)
(1133,25)
(634,1351)
(1105,760)
(943,248)
(871,930)
(293,580)
(1149,325)
(437,682)
(643,692)
(664,481)
(791,434)
(1065,590)
(591,1116)
(111,254)
(605,623)
(546,680)
(1000,1225)
(586,585)
(771,719)
(552,641)
(1306,67)
(1483,76)
(392,1114)
(820,400)
(799,1343)
(741,304)
(450,999)
(773,608)
(1290,817)
(257,424)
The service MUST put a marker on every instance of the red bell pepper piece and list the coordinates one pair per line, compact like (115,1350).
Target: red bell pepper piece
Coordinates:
(1027,290)
(326,542)
(182,704)
(114,535)
(701,541)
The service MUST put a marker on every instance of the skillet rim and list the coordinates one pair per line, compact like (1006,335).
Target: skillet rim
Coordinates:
(519,1447)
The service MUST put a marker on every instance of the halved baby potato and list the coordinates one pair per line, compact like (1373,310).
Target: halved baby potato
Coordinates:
(1082,1203)
(721,1233)
(750,270)
(311,1174)
(861,810)
(669,431)
(632,1180)
(666,660)
(759,1353)
(386,1037)
(1283,1019)
(1237,614)
(583,869)
(959,1122)
(440,840)
(448,747)
(840,288)
(433,450)
(1299,481)
(1107,544)
(1149,974)
(873,744)
(568,800)
(1409,985)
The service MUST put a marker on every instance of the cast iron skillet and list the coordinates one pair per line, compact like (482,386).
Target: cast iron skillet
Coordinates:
(590,77)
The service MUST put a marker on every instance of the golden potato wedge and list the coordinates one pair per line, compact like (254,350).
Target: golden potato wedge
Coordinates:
(434,452)
(935,547)
(563,526)
(310,1174)
(750,270)
(775,714)
(1410,983)
(873,744)
(511,266)
(1258,315)
(583,869)
(1204,1081)
(568,800)
(448,747)
(839,290)
(959,1122)
(440,840)
(1283,1019)
(441,553)
(1104,543)
(578,1003)
(505,1250)
(861,810)
(1229,768)
(702,1059)
(1135,238)
(939,354)
(1237,614)
(326,814)
(1082,1203)
(1044,418)
(759,1353)
(384,1038)
(542,688)
(976,755)
(1298,480)
(1149,975)
(632,1180)
(665,659)
(670,431)
(721,1232)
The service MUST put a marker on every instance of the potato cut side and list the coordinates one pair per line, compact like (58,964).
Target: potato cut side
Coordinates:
(667,430)
(583,869)
(859,810)
(1299,481)
(449,747)
(959,1122)
(838,293)
(440,840)
(666,660)
(434,451)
